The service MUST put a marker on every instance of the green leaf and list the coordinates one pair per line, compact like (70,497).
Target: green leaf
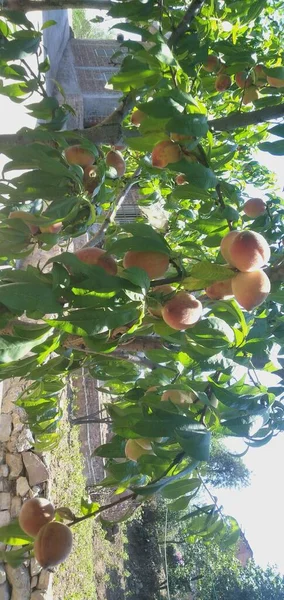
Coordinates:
(274,148)
(13,535)
(16,557)
(44,108)
(277,130)
(143,230)
(88,507)
(211,271)
(191,124)
(195,443)
(92,322)
(18,17)
(179,504)
(122,245)
(277,72)
(198,175)
(49,23)
(138,277)
(114,368)
(180,488)
(153,488)
(213,330)
(21,48)
(13,348)
(161,107)
(187,191)
(114,449)
(30,297)
(232,532)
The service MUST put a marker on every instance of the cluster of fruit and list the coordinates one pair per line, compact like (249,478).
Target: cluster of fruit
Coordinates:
(250,81)
(76,155)
(169,150)
(180,311)
(248,252)
(53,539)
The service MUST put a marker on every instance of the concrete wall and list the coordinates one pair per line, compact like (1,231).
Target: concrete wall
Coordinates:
(55,40)
(83,72)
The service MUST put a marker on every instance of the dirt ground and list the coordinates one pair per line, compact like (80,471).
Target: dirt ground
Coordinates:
(118,562)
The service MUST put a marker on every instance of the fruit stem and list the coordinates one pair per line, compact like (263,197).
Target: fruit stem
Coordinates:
(173,279)
(222,203)
(110,215)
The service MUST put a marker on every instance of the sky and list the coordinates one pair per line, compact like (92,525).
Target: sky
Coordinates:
(257,508)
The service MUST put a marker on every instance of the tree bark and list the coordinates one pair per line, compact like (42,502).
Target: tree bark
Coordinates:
(31,5)
(110,130)
(192,11)
(244,119)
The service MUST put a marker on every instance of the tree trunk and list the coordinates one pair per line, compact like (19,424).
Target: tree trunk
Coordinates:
(31,5)
(110,131)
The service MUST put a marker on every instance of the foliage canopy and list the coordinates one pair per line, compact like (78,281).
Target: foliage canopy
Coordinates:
(80,315)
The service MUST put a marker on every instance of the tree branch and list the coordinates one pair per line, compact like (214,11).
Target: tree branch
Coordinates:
(110,216)
(244,119)
(101,509)
(31,5)
(192,11)
(110,131)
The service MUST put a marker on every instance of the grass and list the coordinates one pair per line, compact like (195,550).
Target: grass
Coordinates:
(74,579)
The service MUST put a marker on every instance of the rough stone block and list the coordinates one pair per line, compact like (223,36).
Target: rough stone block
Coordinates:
(34,581)
(19,579)
(5,427)
(15,463)
(5,591)
(5,517)
(22,486)
(2,574)
(4,470)
(17,423)
(5,500)
(36,469)
(16,506)
(45,580)
(25,440)
(35,567)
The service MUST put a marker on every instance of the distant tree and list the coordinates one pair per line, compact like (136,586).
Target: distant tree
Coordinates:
(211,572)
(224,469)
(86,29)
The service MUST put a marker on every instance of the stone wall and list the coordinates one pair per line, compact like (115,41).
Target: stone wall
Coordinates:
(23,474)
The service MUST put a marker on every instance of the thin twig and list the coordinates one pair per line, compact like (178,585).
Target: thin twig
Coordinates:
(173,279)
(44,93)
(165,555)
(173,464)
(110,216)
(222,203)
(102,509)
(192,11)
